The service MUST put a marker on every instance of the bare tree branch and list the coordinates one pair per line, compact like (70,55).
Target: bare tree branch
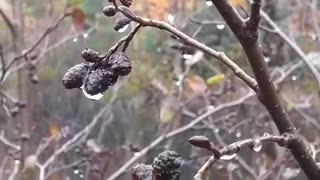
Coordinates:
(236,146)
(293,45)
(190,41)
(9,24)
(7,142)
(174,133)
(32,48)
(267,91)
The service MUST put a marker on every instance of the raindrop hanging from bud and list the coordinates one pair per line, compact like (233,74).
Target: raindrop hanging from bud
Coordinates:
(121,24)
(209,3)
(256,145)
(220,26)
(95,97)
(228,156)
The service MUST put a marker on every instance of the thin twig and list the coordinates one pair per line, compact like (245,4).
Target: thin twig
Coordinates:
(236,146)
(293,45)
(7,142)
(251,82)
(32,48)
(176,132)
(9,24)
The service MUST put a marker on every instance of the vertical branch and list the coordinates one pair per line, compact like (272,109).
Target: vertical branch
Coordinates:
(248,38)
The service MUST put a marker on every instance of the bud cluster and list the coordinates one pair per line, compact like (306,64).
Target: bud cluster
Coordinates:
(99,74)
(164,167)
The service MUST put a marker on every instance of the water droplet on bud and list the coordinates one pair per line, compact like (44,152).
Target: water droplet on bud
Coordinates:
(95,97)
(256,145)
(220,26)
(228,156)
(123,29)
(209,3)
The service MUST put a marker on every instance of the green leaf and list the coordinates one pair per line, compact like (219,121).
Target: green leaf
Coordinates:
(215,79)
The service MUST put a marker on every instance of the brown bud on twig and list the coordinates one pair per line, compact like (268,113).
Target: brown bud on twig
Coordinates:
(14,111)
(121,23)
(166,166)
(109,11)
(99,80)
(141,172)
(90,55)
(200,141)
(120,63)
(21,104)
(74,76)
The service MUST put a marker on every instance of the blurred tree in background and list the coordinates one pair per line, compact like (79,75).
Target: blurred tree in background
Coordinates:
(48,132)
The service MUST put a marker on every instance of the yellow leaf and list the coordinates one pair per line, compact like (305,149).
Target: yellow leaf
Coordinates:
(54,131)
(215,79)
(238,3)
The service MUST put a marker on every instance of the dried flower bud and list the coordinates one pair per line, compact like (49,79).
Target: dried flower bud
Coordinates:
(14,111)
(90,55)
(141,172)
(32,56)
(200,141)
(74,76)
(166,165)
(126,2)
(109,11)
(120,63)
(120,23)
(99,80)
(21,104)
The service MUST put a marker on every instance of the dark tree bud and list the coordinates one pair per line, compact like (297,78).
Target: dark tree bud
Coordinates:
(74,77)
(33,56)
(120,63)
(141,172)
(99,80)
(200,141)
(120,23)
(109,11)
(21,104)
(126,2)
(166,165)
(14,111)
(90,55)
